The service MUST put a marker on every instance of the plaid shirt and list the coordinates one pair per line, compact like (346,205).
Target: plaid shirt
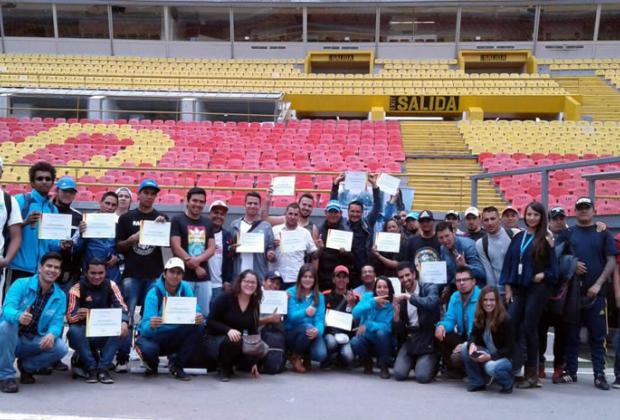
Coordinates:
(36,309)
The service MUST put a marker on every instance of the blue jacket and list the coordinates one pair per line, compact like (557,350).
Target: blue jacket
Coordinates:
(297,312)
(152,307)
(368,313)
(467,247)
(454,314)
(33,248)
(23,293)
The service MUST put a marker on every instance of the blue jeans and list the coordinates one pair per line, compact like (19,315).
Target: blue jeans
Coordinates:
(27,350)
(180,342)
(595,320)
(500,370)
(84,346)
(134,291)
(202,291)
(424,366)
(343,351)
(215,292)
(299,343)
(377,344)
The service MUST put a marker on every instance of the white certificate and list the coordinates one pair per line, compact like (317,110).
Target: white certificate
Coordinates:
(388,183)
(179,310)
(340,320)
(355,181)
(104,322)
(434,272)
(388,242)
(252,242)
(154,234)
(292,240)
(55,226)
(337,239)
(274,300)
(283,185)
(100,225)
(396,284)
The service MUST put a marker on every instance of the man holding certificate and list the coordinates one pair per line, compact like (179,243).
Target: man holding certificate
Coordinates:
(89,334)
(169,299)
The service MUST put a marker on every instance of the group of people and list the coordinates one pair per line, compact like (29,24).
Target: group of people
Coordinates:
(505,286)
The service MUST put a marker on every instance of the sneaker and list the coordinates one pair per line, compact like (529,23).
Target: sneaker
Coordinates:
(104,377)
(151,371)
(476,388)
(60,366)
(25,378)
(179,373)
(566,378)
(506,390)
(385,372)
(601,383)
(224,375)
(616,383)
(9,386)
(121,366)
(91,377)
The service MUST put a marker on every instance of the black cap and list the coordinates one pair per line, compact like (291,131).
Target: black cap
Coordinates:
(584,201)
(557,211)
(426,214)
(274,274)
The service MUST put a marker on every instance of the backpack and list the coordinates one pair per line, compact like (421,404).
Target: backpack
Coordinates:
(275,359)
(485,241)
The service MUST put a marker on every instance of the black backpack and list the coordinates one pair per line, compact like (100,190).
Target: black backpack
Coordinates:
(5,229)
(485,241)
(275,359)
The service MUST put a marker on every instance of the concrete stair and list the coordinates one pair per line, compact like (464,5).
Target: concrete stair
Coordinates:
(600,100)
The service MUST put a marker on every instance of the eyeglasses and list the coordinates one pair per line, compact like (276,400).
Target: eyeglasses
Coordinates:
(43,179)
(463,280)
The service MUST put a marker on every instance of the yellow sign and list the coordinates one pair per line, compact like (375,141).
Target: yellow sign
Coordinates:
(424,103)
(341,57)
(490,58)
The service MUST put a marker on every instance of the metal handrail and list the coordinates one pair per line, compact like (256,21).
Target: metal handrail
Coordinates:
(592,178)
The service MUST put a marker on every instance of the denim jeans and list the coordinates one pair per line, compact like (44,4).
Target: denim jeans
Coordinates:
(134,291)
(343,351)
(500,370)
(377,344)
(424,366)
(180,342)
(202,291)
(27,350)
(299,343)
(215,292)
(84,346)
(595,320)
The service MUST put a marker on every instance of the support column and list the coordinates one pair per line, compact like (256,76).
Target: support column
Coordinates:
(189,108)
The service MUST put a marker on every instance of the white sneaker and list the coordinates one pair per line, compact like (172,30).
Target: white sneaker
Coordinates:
(122,368)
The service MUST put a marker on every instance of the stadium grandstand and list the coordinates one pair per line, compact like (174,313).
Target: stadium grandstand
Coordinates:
(227,94)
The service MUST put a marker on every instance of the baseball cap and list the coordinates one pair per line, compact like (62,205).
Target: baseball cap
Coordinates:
(412,215)
(509,208)
(584,201)
(333,205)
(473,211)
(557,211)
(453,213)
(426,214)
(148,183)
(340,269)
(218,203)
(174,262)
(274,274)
(66,183)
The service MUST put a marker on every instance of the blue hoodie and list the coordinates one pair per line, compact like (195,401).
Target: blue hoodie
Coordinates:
(454,313)
(375,318)
(23,293)
(152,307)
(33,248)
(296,314)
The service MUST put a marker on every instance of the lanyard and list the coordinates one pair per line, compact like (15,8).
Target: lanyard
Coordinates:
(525,244)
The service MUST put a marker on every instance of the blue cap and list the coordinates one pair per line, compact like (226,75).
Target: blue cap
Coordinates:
(413,215)
(148,183)
(66,183)
(333,205)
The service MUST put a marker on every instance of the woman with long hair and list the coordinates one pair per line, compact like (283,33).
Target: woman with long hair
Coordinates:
(233,315)
(386,262)
(529,271)
(490,344)
(305,321)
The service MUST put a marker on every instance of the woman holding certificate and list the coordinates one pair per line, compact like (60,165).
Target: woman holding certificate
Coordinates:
(233,318)
(386,262)
(305,321)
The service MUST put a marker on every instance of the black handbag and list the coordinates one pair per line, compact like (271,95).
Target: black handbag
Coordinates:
(419,342)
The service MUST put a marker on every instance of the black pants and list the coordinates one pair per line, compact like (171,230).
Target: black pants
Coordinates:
(446,349)
(229,354)
(560,330)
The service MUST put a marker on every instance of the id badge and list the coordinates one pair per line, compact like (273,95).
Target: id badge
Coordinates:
(520,269)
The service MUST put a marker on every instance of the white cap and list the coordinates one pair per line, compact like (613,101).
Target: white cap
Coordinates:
(472,210)
(174,262)
(218,203)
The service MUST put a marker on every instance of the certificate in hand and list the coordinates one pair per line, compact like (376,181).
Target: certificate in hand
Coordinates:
(154,234)
(388,242)
(434,272)
(396,284)
(355,181)
(292,240)
(179,310)
(337,319)
(272,300)
(104,322)
(388,183)
(252,242)
(55,226)
(337,239)
(283,185)
(100,225)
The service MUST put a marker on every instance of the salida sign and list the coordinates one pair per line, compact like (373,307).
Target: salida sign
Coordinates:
(424,103)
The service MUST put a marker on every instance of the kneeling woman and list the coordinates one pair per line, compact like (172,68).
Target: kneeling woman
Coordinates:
(233,315)
(305,321)
(374,335)
(490,344)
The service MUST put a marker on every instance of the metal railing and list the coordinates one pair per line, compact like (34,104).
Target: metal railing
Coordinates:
(592,178)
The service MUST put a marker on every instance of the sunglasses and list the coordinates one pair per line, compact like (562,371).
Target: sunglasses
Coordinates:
(44,179)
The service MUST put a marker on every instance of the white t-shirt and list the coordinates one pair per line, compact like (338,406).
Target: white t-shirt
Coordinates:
(412,310)
(289,263)
(247,259)
(215,262)
(14,218)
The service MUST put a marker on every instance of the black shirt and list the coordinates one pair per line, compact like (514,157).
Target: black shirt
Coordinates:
(141,261)
(36,309)
(421,249)
(226,315)
(195,235)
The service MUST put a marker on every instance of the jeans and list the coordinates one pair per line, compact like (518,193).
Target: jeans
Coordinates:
(27,350)
(423,365)
(299,343)
(500,370)
(202,291)
(377,344)
(342,351)
(134,291)
(595,320)
(84,346)
(215,292)
(525,311)
(180,342)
